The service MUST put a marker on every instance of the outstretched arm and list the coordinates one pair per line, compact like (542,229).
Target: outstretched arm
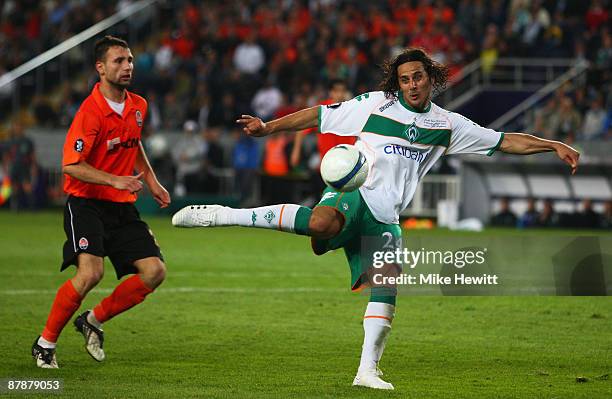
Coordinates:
(299,120)
(524,144)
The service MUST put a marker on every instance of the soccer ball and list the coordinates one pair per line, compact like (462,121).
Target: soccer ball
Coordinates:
(344,168)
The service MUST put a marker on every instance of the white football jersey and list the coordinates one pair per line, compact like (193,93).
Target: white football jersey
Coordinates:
(402,144)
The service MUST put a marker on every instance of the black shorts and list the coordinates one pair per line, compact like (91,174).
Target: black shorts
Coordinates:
(104,228)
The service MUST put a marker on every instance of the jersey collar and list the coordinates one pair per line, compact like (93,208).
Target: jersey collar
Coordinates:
(103,104)
(402,101)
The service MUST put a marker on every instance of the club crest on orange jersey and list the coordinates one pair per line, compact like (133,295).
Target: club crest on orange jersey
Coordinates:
(138,118)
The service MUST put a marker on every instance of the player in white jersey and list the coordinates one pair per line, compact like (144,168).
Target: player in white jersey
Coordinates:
(401,133)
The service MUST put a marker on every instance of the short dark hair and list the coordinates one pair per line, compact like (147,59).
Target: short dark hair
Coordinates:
(102,46)
(438,73)
(336,81)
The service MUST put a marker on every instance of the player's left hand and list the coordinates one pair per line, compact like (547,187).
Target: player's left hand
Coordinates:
(160,195)
(568,155)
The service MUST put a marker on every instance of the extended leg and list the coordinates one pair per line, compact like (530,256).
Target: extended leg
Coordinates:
(323,222)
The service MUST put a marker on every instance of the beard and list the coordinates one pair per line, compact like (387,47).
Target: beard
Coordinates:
(121,84)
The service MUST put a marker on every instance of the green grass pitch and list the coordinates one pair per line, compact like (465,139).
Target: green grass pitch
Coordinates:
(252,313)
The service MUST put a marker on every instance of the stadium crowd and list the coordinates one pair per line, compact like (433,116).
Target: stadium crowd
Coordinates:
(210,61)
(547,216)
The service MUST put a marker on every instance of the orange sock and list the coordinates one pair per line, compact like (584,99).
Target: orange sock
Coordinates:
(127,294)
(67,301)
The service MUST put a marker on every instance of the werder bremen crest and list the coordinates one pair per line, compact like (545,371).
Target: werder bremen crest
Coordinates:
(269,216)
(411,132)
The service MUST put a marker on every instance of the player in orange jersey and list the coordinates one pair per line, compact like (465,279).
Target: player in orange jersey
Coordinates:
(101,152)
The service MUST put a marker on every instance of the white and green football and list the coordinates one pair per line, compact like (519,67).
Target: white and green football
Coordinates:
(344,168)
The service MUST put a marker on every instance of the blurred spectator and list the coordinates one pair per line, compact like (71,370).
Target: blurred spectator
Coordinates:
(245,159)
(163,58)
(223,114)
(27,179)
(215,157)
(188,155)
(267,100)
(276,161)
(548,217)
(173,112)
(565,121)
(534,22)
(531,216)
(275,168)
(490,49)
(553,40)
(505,217)
(603,59)
(337,93)
(154,114)
(214,161)
(596,15)
(69,103)
(594,118)
(249,57)
(581,102)
(459,50)
(204,111)
(542,119)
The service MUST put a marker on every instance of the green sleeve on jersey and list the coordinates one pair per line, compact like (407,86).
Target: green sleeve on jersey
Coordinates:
(493,149)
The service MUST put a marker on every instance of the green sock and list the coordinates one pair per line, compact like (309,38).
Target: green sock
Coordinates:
(302,219)
(383,294)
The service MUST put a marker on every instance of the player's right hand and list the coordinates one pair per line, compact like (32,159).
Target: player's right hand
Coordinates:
(568,155)
(128,183)
(252,125)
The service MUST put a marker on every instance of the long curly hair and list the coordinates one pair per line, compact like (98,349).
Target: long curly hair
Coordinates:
(438,73)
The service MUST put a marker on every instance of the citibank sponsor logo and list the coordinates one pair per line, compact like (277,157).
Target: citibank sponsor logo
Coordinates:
(405,152)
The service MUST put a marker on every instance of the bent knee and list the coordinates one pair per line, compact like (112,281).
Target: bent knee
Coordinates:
(88,275)
(326,225)
(90,278)
(154,274)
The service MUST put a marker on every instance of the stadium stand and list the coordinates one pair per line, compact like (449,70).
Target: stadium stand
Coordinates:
(209,62)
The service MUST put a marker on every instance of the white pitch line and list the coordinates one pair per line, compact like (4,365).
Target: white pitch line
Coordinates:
(175,290)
